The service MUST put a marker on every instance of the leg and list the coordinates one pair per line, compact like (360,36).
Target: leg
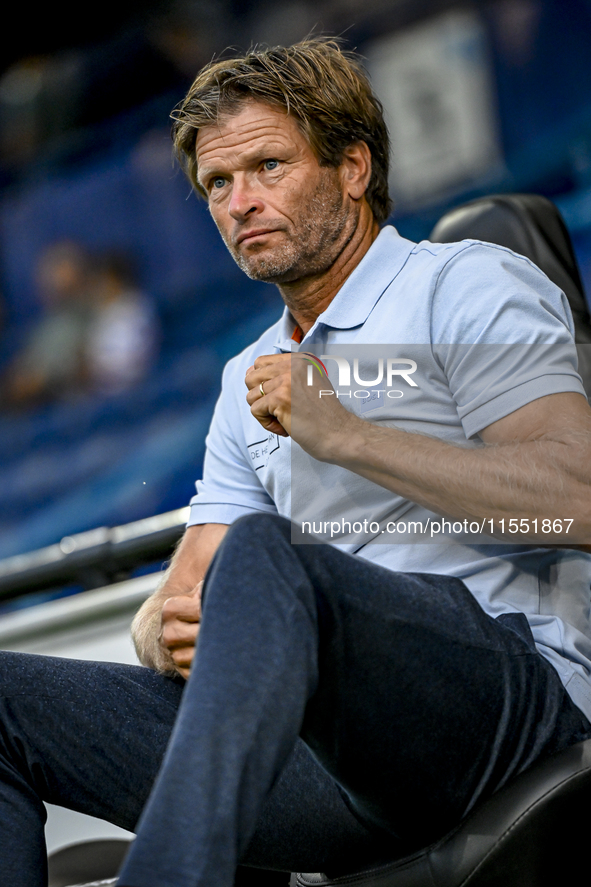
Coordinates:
(409,696)
(85,735)
(305,824)
(91,737)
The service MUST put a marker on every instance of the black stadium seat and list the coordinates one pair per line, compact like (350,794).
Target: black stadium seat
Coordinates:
(531,833)
(532,226)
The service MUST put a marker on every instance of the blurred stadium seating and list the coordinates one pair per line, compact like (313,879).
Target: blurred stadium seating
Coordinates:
(73,466)
(104,461)
(79,463)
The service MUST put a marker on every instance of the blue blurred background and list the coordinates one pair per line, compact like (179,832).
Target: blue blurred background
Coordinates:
(100,232)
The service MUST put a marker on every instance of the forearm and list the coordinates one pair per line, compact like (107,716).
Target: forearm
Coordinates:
(527,479)
(535,462)
(187,569)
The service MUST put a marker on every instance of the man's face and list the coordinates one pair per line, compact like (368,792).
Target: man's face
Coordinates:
(282,216)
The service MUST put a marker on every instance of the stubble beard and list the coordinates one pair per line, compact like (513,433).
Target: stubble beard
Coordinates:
(313,247)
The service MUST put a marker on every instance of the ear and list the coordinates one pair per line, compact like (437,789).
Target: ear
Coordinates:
(355,170)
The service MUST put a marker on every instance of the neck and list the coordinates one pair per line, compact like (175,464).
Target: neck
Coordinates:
(308,297)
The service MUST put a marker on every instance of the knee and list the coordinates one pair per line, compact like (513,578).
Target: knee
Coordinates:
(255,545)
(17,670)
(258,528)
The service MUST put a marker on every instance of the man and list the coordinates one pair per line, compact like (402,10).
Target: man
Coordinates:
(338,712)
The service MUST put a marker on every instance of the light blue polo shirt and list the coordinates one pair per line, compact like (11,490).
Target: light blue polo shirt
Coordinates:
(450,311)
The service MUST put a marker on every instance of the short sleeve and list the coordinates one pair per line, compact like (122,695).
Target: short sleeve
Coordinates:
(504,334)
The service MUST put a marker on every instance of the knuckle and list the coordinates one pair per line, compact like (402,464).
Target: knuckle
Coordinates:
(169,608)
(183,657)
(179,634)
(166,639)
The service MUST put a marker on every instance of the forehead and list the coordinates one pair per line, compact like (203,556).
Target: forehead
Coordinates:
(252,128)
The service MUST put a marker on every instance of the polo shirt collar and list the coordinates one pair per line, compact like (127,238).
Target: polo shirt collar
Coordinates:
(358,296)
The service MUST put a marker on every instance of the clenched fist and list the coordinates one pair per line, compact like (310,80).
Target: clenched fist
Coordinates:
(181,616)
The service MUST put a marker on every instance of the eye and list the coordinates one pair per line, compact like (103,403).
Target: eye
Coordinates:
(271,164)
(218,182)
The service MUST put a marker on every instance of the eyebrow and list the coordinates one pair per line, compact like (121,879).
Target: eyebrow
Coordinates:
(265,152)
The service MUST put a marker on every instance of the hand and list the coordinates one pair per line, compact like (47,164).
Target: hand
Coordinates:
(319,420)
(276,367)
(181,616)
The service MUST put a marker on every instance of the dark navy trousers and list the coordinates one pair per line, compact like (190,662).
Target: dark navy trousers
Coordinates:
(338,714)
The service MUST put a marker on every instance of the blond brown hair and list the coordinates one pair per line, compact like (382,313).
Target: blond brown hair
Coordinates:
(321,85)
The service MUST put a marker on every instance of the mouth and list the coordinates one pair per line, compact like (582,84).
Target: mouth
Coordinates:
(249,236)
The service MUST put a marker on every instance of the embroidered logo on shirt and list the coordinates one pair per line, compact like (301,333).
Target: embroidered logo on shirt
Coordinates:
(260,450)
(374,401)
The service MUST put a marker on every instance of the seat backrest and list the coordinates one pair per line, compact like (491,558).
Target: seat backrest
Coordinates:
(532,832)
(532,226)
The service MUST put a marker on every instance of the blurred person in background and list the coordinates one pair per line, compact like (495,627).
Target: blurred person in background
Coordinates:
(122,335)
(98,335)
(50,364)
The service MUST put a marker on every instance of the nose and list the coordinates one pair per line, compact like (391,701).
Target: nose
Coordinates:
(244,201)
